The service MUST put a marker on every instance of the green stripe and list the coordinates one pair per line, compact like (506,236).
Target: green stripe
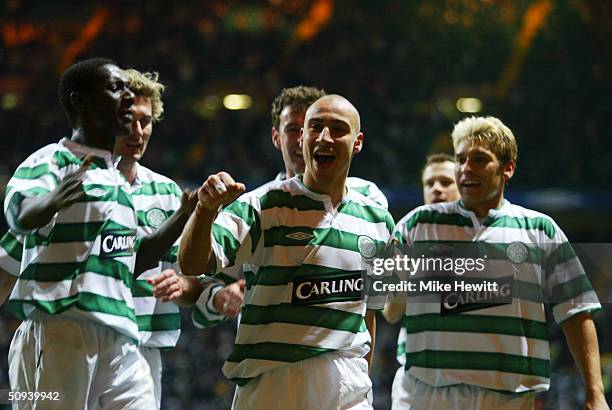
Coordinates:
(478,361)
(302,315)
(12,246)
(55,272)
(512,326)
(226,279)
(198,317)
(158,322)
(89,302)
(562,253)
(36,172)
(172,255)
(158,188)
(65,158)
(401,350)
(571,289)
(537,223)
(277,236)
(435,217)
(250,217)
(282,199)
(227,241)
(142,288)
(367,213)
(281,352)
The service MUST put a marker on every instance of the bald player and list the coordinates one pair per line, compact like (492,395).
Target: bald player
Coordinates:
(301,347)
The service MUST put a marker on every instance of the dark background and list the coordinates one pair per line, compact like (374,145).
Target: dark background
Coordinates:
(543,67)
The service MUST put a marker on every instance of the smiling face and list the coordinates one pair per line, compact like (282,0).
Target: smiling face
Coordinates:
(439,183)
(133,147)
(106,107)
(287,139)
(330,138)
(480,176)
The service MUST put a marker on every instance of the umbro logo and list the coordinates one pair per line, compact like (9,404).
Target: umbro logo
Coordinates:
(300,236)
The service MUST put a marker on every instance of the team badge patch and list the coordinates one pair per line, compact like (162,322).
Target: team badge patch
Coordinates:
(517,252)
(366,246)
(155,217)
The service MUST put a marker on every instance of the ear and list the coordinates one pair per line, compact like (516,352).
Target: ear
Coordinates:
(276,138)
(508,170)
(358,144)
(78,102)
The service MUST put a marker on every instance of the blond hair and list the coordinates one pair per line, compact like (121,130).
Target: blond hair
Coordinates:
(147,85)
(488,131)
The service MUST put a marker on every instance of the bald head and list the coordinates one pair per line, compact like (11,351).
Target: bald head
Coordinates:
(337,104)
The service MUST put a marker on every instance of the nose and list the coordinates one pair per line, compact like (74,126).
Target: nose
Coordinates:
(325,136)
(136,128)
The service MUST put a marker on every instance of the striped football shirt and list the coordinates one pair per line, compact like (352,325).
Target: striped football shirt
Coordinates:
(204,313)
(156,198)
(11,249)
(504,347)
(80,264)
(302,268)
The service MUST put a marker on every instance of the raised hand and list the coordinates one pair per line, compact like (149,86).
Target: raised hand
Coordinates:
(70,188)
(219,189)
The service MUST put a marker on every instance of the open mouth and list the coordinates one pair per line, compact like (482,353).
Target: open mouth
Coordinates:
(324,157)
(470,184)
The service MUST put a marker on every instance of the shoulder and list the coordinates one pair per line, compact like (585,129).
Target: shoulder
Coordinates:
(521,217)
(367,188)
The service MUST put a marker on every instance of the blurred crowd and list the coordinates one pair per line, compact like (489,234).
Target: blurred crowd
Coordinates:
(403,64)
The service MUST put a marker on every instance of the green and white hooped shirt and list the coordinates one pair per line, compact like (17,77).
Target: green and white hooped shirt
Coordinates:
(504,347)
(156,198)
(293,244)
(81,263)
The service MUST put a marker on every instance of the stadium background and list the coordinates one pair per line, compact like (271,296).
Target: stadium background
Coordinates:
(542,66)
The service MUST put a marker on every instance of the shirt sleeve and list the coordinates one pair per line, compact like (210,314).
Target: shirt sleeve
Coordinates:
(11,248)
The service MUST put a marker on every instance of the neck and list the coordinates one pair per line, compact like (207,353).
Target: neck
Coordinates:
(482,210)
(127,167)
(89,139)
(335,189)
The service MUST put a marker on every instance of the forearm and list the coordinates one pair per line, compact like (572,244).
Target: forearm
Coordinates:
(581,337)
(192,288)
(195,245)
(7,282)
(154,246)
(370,320)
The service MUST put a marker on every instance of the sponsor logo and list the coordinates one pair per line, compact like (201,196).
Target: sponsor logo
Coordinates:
(366,246)
(117,243)
(465,301)
(300,236)
(341,288)
(155,217)
(517,252)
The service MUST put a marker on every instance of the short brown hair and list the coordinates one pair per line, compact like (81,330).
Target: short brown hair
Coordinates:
(436,159)
(300,97)
(147,85)
(489,131)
